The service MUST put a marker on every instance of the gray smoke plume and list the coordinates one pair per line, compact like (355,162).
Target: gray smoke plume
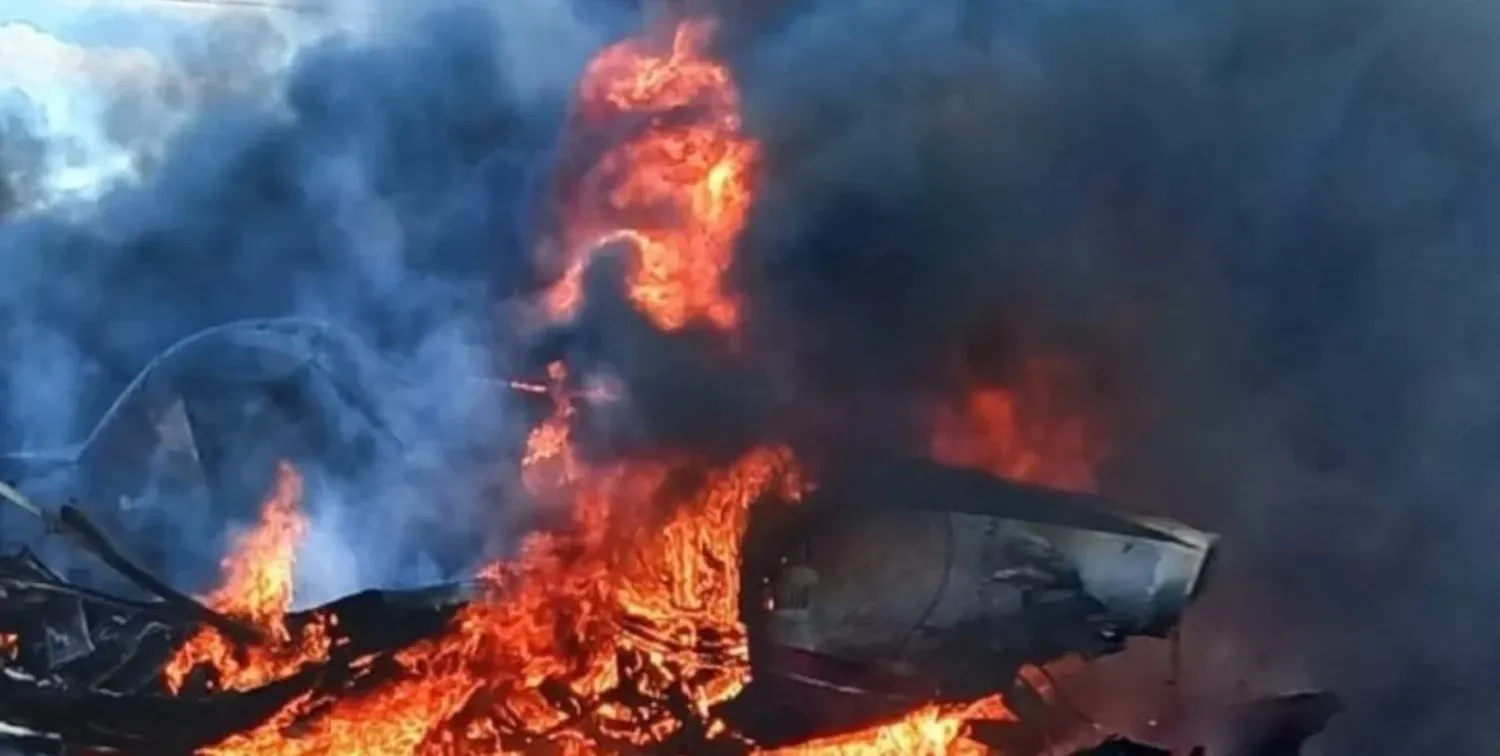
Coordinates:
(233,60)
(23,154)
(380,184)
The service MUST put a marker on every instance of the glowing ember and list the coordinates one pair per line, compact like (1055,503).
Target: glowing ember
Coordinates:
(257,589)
(678,191)
(9,645)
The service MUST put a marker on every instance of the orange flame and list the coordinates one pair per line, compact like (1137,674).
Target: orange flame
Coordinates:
(621,629)
(549,460)
(257,589)
(679,192)
(990,430)
(625,597)
(931,730)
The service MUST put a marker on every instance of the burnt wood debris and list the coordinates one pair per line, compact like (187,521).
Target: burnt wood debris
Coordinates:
(997,577)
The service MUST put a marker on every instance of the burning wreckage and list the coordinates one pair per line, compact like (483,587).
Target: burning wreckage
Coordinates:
(667,604)
(947,588)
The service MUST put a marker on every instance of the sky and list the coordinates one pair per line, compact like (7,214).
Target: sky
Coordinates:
(63,58)
(149,24)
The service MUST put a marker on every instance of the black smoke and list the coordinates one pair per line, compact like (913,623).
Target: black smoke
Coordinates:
(1267,231)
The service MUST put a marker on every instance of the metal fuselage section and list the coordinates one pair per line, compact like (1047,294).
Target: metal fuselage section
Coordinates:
(866,599)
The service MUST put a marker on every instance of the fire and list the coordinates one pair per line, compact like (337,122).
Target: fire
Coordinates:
(931,730)
(549,460)
(989,429)
(928,731)
(619,630)
(678,192)
(257,589)
(618,601)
